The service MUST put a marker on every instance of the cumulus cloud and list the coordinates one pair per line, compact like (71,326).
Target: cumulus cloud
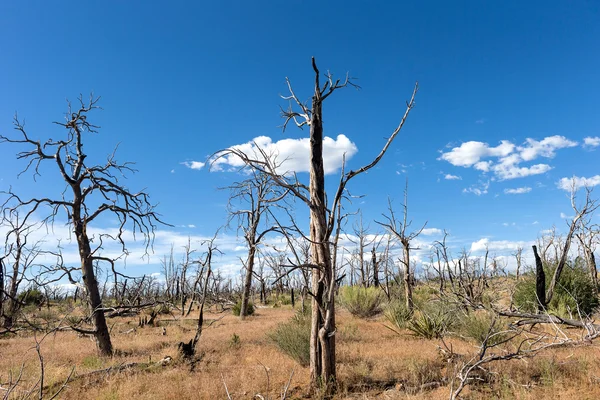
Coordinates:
(520,190)
(292,155)
(451,177)
(431,231)
(193,164)
(591,141)
(576,182)
(504,159)
(496,245)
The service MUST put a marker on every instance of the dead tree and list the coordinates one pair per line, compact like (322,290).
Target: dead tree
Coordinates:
(581,213)
(519,258)
(362,241)
(588,240)
(188,350)
(322,218)
(255,196)
(92,193)
(399,230)
(18,258)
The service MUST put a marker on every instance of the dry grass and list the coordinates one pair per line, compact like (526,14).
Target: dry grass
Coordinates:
(369,358)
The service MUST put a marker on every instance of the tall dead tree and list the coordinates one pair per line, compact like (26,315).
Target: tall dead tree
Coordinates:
(322,218)
(92,193)
(399,230)
(249,205)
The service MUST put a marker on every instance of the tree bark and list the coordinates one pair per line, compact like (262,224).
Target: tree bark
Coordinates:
(322,343)
(247,282)
(540,281)
(407,278)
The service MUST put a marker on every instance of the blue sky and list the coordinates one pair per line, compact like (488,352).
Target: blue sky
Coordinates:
(508,95)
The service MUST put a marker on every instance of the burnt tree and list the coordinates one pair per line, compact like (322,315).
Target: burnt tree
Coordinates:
(322,218)
(91,194)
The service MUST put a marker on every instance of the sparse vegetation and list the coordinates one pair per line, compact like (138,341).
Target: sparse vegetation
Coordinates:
(238,306)
(293,338)
(360,301)
(574,295)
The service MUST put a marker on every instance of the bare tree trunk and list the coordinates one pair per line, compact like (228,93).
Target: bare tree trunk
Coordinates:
(247,283)
(375,267)
(101,332)
(322,341)
(540,281)
(407,280)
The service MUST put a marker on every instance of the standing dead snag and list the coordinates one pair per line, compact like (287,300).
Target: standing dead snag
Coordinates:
(256,195)
(322,218)
(398,229)
(582,213)
(91,193)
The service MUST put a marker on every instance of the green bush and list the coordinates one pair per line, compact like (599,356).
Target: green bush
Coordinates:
(32,296)
(477,326)
(238,306)
(398,315)
(360,301)
(574,292)
(293,338)
(429,325)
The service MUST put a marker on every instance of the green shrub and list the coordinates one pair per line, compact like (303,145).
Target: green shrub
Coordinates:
(235,342)
(238,306)
(293,338)
(32,296)
(360,301)
(477,326)
(431,324)
(397,315)
(574,293)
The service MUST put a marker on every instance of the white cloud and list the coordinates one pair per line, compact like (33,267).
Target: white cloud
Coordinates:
(470,153)
(577,182)
(451,177)
(504,160)
(193,164)
(496,245)
(478,190)
(591,141)
(431,231)
(520,190)
(292,154)
(545,148)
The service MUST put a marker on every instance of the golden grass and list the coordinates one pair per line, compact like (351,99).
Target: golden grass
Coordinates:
(368,354)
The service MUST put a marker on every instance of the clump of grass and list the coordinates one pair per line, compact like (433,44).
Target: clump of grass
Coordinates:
(398,315)
(234,341)
(293,338)
(238,306)
(360,301)
(432,322)
(349,333)
(481,325)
